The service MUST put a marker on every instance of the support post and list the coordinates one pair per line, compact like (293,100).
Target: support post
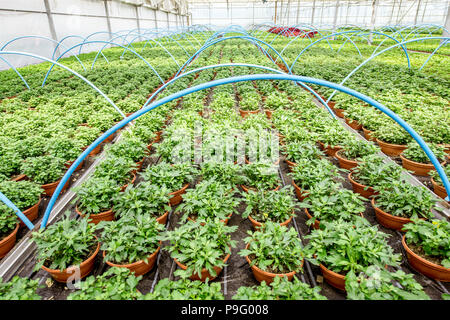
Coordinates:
(253,15)
(417,11)
(275,16)
(446,24)
(336,13)
(346,15)
(298,11)
(321,12)
(313,12)
(51,24)
(373,18)
(167,18)
(392,13)
(156,19)
(108,20)
(138,23)
(424,10)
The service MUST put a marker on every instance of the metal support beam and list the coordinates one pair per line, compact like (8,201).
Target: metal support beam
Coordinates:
(51,24)
(417,11)
(336,13)
(275,16)
(447,24)
(108,20)
(373,18)
(313,12)
(167,17)
(298,11)
(348,10)
(138,23)
(321,12)
(424,10)
(392,13)
(156,19)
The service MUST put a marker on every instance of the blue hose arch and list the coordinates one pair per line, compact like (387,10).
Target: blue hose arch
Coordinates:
(219,82)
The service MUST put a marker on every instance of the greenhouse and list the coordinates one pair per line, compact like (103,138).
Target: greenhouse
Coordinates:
(225,150)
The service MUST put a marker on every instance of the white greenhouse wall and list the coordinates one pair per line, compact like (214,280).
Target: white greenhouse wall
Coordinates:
(74,17)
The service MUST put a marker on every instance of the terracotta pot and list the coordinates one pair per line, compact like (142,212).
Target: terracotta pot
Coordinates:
(353,124)
(290,164)
(438,189)
(122,189)
(331,104)
(251,188)
(339,112)
(69,163)
(268,113)
(420,169)
(95,151)
(140,267)
(368,134)
(268,277)
(85,268)
(245,113)
(301,195)
(139,166)
(128,114)
(19,177)
(424,266)
(177,195)
(345,163)
(204,273)
(97,217)
(360,188)
(331,151)
(334,279)
(8,243)
(256,225)
(31,213)
(110,138)
(391,149)
(163,219)
(149,147)
(225,221)
(158,136)
(316,222)
(50,188)
(446,147)
(388,220)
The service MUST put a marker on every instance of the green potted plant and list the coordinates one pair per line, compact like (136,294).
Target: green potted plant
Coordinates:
(95,199)
(399,201)
(273,251)
(261,176)
(426,244)
(341,247)
(249,105)
(376,283)
(353,151)
(175,178)
(208,201)
(64,245)
(117,169)
(131,242)
(130,148)
(185,289)
(8,229)
(392,138)
(46,171)
(65,148)
(19,288)
(373,172)
(225,173)
(279,289)
(438,186)
(328,200)
(415,159)
(212,243)
(26,195)
(297,151)
(309,172)
(145,198)
(263,206)
(114,284)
